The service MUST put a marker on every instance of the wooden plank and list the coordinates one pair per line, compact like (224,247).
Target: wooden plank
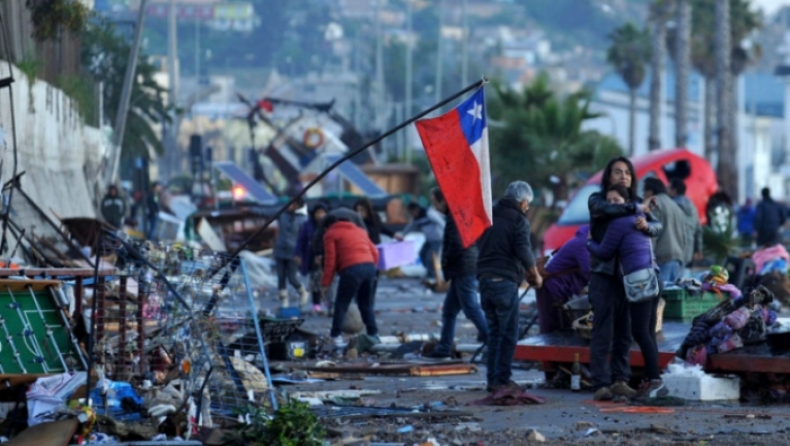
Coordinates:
(734,362)
(56,433)
(442,370)
(565,354)
(20,285)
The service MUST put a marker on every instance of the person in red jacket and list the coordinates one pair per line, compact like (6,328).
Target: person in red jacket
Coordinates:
(349,251)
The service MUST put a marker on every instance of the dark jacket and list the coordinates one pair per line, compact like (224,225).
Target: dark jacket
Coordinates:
(623,240)
(304,247)
(746,216)
(768,218)
(376,228)
(505,250)
(601,213)
(572,256)
(694,230)
(288,226)
(113,210)
(152,205)
(457,261)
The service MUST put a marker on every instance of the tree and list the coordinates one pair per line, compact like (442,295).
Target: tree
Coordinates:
(537,135)
(726,171)
(629,53)
(659,14)
(743,22)
(104,55)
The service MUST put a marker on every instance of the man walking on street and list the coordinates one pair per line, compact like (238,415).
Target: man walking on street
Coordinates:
(670,245)
(505,254)
(768,220)
(458,266)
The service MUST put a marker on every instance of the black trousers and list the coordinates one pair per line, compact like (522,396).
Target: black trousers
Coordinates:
(643,327)
(611,331)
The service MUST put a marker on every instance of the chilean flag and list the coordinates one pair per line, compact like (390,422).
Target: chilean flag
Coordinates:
(457,147)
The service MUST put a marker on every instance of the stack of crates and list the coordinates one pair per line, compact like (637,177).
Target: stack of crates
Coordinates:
(684,305)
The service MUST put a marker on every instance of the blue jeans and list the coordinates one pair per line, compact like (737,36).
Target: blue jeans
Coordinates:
(356,281)
(670,271)
(461,296)
(153,222)
(499,299)
(426,256)
(611,331)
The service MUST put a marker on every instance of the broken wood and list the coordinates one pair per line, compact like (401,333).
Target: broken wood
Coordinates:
(410,369)
(56,433)
(447,414)
(443,370)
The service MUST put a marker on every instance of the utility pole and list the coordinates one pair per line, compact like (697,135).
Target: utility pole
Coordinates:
(408,146)
(438,89)
(111,170)
(683,51)
(197,68)
(464,45)
(171,140)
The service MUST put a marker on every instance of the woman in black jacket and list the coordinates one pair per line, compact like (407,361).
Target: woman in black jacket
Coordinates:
(375,227)
(611,325)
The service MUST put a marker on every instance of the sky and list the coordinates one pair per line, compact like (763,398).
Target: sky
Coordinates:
(770,6)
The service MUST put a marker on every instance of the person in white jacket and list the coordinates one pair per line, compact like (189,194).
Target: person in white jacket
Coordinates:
(431,223)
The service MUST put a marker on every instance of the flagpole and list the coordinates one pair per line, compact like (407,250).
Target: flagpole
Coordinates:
(333,166)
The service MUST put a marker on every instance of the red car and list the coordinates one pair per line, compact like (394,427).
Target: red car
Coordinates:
(664,164)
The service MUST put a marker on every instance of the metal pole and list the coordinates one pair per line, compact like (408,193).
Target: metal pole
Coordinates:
(438,89)
(409,68)
(172,80)
(258,334)
(464,44)
(111,173)
(381,93)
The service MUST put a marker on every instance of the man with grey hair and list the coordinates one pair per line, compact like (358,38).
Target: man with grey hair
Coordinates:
(505,255)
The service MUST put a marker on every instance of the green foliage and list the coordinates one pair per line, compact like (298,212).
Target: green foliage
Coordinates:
(719,244)
(536,134)
(50,17)
(292,425)
(30,66)
(81,91)
(105,54)
(629,53)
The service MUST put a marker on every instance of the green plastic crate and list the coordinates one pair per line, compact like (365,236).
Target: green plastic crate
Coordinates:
(685,306)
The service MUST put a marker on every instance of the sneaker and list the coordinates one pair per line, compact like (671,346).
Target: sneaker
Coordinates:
(603,394)
(319,309)
(304,297)
(338,342)
(437,355)
(620,388)
(657,389)
(496,387)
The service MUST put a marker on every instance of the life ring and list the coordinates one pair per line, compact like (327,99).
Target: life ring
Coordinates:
(313,138)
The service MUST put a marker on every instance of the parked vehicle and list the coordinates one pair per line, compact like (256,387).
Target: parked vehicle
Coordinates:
(663,164)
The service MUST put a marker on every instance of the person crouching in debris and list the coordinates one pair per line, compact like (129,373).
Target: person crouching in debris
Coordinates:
(505,254)
(459,265)
(306,254)
(634,251)
(349,251)
(431,223)
(288,226)
(113,207)
(567,274)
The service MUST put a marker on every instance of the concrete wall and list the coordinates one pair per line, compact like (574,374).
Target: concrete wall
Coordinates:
(60,155)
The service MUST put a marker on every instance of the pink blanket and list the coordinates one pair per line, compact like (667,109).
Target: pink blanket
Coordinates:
(764,256)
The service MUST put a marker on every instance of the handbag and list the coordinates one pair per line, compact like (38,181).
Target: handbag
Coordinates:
(641,285)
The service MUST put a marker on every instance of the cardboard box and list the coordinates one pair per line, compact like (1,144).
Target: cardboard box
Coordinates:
(395,254)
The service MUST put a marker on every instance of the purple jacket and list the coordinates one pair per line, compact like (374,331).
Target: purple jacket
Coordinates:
(623,239)
(572,255)
(304,246)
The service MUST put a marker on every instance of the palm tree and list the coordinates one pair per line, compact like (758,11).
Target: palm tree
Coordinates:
(682,63)
(538,134)
(629,53)
(703,56)
(659,14)
(727,172)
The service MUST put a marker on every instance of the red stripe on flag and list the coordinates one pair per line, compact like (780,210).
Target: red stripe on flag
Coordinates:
(457,172)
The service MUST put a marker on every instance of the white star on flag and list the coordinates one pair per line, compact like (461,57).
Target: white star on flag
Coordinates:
(476,111)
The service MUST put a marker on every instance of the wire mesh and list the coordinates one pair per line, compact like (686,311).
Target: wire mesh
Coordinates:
(189,325)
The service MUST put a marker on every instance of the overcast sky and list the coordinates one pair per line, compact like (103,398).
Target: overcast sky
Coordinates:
(770,6)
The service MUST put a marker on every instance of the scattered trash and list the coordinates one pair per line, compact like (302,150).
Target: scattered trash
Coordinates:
(533,435)
(47,396)
(508,396)
(406,429)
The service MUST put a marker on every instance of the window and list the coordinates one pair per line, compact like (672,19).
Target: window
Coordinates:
(577,212)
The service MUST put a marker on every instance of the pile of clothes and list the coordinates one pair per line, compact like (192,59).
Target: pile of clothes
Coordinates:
(771,268)
(737,321)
